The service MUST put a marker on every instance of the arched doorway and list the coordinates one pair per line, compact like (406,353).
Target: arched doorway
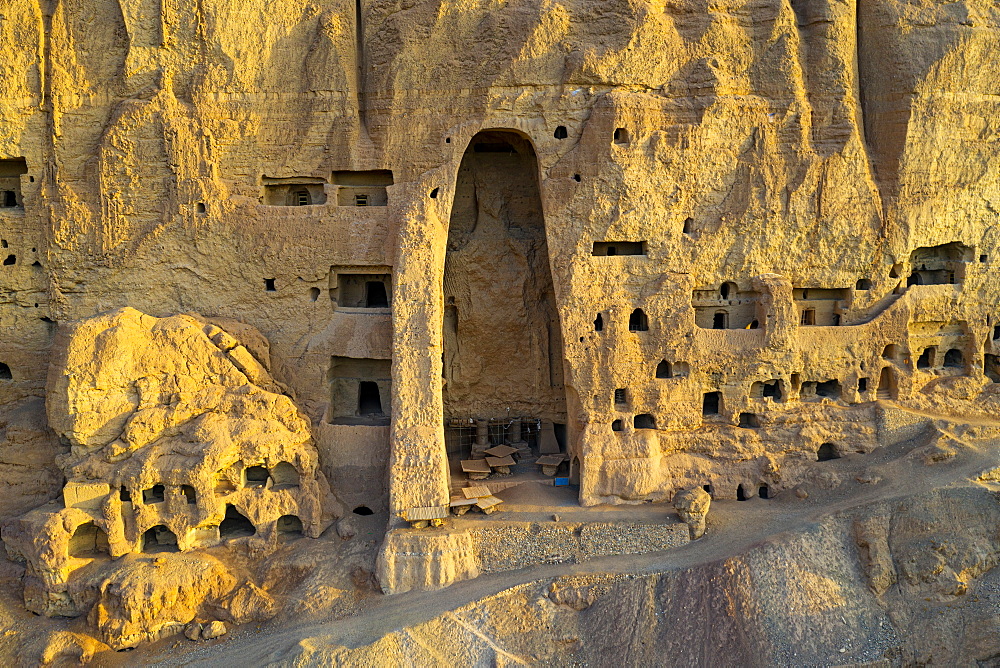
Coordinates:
(887,384)
(502,342)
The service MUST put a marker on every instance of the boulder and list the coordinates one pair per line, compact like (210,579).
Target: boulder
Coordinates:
(692,507)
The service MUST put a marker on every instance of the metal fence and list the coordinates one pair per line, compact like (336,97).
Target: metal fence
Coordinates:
(460,433)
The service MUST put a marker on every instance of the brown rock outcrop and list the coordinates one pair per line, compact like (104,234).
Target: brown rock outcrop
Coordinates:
(146,598)
(692,507)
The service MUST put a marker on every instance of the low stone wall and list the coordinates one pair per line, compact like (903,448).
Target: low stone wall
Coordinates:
(422,559)
(511,545)
(896,425)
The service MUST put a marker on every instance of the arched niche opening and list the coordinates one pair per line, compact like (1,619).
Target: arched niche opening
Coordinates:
(638,321)
(88,541)
(285,475)
(886,384)
(827,452)
(235,524)
(502,342)
(159,539)
(289,526)
(954,358)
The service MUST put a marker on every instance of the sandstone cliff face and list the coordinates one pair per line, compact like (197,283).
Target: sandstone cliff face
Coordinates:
(805,194)
(822,143)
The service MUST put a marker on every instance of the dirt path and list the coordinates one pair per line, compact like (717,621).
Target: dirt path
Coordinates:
(734,528)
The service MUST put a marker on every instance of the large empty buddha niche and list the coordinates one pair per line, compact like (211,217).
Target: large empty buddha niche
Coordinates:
(727,307)
(365,188)
(10,182)
(710,403)
(610,248)
(937,265)
(88,541)
(360,391)
(235,524)
(503,345)
(363,290)
(159,539)
(295,191)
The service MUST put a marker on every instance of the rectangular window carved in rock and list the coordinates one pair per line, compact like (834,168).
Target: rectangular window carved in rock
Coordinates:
(295,191)
(611,248)
(363,290)
(360,391)
(10,182)
(362,188)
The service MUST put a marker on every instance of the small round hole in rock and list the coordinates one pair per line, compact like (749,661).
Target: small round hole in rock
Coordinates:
(363,510)
(434,193)
(313,294)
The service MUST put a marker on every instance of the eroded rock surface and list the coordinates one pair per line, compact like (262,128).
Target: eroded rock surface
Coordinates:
(180,440)
(692,507)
